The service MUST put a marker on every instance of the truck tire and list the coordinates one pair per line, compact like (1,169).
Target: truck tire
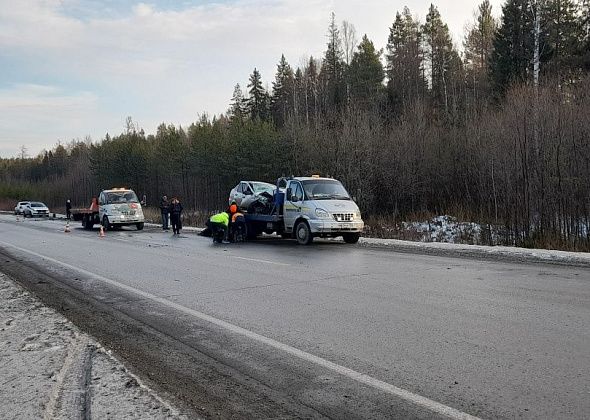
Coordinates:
(303,233)
(351,238)
(105,223)
(139,226)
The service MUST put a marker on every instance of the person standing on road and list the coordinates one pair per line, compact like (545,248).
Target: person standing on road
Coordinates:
(165,210)
(175,213)
(68,209)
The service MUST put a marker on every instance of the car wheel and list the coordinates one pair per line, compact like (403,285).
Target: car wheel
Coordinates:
(139,226)
(351,238)
(303,233)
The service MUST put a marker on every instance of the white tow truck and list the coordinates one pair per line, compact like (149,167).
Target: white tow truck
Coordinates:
(309,207)
(114,208)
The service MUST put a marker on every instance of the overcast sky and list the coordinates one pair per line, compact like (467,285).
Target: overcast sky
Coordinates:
(76,68)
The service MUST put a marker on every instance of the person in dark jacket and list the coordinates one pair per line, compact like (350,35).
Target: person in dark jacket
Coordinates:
(165,210)
(175,212)
(68,209)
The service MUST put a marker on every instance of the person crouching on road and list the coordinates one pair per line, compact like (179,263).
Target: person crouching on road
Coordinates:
(219,222)
(175,213)
(165,210)
(237,227)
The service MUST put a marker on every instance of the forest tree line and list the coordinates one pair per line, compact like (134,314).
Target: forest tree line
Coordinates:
(497,131)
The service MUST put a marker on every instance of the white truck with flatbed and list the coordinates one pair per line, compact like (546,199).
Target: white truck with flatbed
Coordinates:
(114,208)
(307,208)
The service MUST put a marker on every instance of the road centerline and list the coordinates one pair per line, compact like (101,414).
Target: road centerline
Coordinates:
(349,373)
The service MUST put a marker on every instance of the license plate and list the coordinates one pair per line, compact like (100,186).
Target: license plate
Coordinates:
(347,225)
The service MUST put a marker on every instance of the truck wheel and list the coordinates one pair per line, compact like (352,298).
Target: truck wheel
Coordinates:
(303,233)
(139,226)
(105,223)
(351,238)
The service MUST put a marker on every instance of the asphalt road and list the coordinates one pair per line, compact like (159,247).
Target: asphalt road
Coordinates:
(272,329)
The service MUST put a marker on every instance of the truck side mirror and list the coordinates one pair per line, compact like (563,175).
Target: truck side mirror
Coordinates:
(289,192)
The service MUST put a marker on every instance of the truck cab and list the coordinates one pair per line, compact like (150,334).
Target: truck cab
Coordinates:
(320,207)
(120,207)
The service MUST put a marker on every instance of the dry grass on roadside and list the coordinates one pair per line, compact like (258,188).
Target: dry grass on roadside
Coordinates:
(189,217)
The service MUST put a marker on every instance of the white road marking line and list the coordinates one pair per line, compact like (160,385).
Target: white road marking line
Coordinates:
(257,260)
(401,393)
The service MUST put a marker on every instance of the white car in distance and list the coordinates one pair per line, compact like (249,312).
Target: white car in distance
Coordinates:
(20,207)
(35,209)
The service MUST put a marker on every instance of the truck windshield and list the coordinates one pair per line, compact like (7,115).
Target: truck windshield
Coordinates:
(121,197)
(325,189)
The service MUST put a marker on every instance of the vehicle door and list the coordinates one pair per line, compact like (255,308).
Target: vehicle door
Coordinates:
(293,204)
(237,195)
(102,205)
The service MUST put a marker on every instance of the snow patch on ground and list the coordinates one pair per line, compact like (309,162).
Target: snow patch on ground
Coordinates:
(49,369)
(445,229)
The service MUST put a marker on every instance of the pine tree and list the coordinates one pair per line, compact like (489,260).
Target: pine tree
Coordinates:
(258,97)
(563,34)
(237,109)
(311,80)
(332,72)
(585,22)
(282,96)
(365,73)
(404,60)
(513,46)
(478,46)
(443,60)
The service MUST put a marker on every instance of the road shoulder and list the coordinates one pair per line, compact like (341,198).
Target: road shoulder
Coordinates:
(52,370)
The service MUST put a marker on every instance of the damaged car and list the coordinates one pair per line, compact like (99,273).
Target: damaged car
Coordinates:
(246,193)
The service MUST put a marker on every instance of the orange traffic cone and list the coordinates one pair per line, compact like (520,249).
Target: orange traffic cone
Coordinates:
(67,228)
(101,232)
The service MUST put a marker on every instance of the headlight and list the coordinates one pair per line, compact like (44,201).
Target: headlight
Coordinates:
(322,214)
(357,215)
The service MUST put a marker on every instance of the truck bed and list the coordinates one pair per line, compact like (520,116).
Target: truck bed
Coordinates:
(78,214)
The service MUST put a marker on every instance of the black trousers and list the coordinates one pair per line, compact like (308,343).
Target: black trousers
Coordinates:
(176,222)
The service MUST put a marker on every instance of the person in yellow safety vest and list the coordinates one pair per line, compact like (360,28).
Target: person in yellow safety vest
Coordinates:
(217,223)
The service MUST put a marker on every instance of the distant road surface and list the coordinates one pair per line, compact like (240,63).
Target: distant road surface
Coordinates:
(270,329)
